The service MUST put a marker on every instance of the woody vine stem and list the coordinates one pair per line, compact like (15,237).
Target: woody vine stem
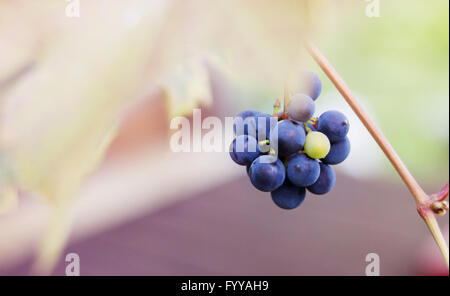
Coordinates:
(427,205)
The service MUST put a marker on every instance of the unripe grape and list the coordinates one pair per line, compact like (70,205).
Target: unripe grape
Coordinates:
(317,145)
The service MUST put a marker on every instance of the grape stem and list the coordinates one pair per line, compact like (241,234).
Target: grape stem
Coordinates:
(286,100)
(263,142)
(276,108)
(443,194)
(305,124)
(426,204)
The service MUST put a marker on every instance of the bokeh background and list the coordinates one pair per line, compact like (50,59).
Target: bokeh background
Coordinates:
(85,110)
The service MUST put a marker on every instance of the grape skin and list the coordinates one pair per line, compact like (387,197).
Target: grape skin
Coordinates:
(338,152)
(244,115)
(325,182)
(291,138)
(248,169)
(246,154)
(312,84)
(288,196)
(317,145)
(301,107)
(267,173)
(334,125)
(302,171)
(251,119)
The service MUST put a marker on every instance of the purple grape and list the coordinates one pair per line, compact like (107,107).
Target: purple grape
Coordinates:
(302,170)
(267,173)
(254,123)
(325,182)
(301,107)
(288,196)
(289,139)
(334,125)
(311,84)
(338,152)
(244,150)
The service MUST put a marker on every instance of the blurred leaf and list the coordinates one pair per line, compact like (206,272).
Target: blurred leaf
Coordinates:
(58,118)
(8,199)
(187,86)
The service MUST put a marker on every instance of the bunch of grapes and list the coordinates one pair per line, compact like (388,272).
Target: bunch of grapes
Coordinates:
(289,153)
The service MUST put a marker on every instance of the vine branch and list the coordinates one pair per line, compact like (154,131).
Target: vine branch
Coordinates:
(426,205)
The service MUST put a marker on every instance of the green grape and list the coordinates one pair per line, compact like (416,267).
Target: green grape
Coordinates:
(317,145)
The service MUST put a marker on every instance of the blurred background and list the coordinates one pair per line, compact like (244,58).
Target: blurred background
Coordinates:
(87,93)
